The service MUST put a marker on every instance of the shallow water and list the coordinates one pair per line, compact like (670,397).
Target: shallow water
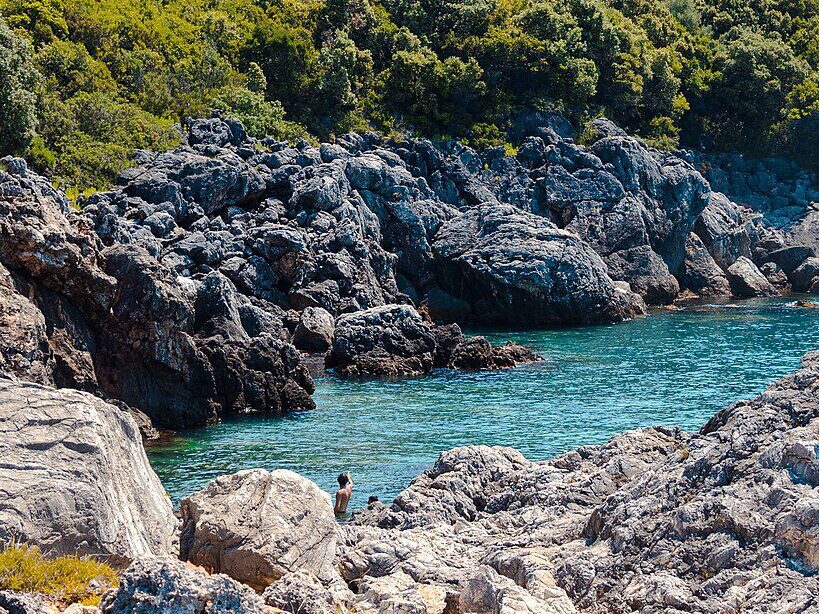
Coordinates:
(672,367)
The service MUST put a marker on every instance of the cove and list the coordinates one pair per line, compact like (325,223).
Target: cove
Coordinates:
(672,367)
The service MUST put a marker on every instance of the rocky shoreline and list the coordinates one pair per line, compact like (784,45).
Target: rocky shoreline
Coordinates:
(192,289)
(656,520)
(210,278)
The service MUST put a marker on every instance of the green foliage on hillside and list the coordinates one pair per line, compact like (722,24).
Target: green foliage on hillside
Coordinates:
(108,76)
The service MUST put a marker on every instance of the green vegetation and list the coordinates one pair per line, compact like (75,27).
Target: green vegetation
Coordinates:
(66,580)
(85,82)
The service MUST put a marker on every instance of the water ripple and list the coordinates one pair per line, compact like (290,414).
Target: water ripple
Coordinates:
(672,367)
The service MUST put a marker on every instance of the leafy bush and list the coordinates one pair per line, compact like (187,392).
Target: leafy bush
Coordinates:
(18,80)
(65,579)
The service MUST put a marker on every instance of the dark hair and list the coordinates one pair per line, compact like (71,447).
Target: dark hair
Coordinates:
(372,499)
(343,479)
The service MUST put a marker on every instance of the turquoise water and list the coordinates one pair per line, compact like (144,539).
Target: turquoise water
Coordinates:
(671,367)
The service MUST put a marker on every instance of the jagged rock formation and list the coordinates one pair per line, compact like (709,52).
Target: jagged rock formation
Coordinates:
(185,290)
(395,340)
(114,321)
(75,477)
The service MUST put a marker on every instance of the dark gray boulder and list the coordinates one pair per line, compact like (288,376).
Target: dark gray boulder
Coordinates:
(314,332)
(699,272)
(789,258)
(804,278)
(383,341)
(774,274)
(516,267)
(747,281)
(727,230)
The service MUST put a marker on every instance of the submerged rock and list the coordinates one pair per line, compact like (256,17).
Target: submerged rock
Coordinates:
(76,479)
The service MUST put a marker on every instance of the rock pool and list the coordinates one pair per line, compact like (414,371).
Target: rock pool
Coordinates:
(671,367)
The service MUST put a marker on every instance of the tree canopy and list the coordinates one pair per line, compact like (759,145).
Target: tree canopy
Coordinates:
(83,83)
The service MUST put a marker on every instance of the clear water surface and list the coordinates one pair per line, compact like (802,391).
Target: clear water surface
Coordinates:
(673,367)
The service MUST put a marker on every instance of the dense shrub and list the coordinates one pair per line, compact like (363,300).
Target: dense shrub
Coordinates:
(719,73)
(64,579)
(18,80)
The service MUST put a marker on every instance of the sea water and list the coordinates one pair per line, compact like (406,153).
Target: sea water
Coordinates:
(672,367)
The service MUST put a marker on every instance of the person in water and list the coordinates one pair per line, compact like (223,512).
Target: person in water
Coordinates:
(345,489)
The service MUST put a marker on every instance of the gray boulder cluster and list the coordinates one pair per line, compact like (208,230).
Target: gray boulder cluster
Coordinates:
(189,290)
(114,321)
(542,237)
(656,520)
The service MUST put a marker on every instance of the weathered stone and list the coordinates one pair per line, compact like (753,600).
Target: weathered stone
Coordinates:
(384,341)
(657,520)
(300,592)
(256,526)
(789,258)
(699,272)
(314,332)
(518,268)
(805,275)
(76,479)
(161,585)
(747,281)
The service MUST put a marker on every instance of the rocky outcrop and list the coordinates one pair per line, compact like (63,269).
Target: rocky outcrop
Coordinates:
(116,322)
(300,592)
(385,341)
(256,526)
(700,273)
(806,276)
(396,340)
(157,584)
(75,477)
(656,520)
(518,268)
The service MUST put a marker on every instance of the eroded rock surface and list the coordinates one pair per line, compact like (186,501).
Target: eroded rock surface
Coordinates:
(396,340)
(116,322)
(75,478)
(163,584)
(256,526)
